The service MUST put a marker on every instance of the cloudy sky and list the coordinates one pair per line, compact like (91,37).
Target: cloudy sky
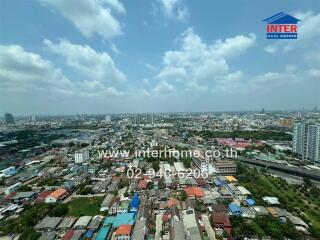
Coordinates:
(113,56)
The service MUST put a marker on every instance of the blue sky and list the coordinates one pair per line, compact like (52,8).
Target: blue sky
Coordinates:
(113,56)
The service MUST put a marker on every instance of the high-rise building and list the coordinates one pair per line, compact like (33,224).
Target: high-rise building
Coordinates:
(81,156)
(150,119)
(286,122)
(306,142)
(33,118)
(108,118)
(8,118)
(137,119)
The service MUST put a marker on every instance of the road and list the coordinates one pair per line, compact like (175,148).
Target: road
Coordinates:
(291,174)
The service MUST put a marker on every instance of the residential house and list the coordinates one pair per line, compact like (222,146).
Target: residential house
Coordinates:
(123,232)
(56,196)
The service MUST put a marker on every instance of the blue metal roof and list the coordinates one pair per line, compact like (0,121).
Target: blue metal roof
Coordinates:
(109,220)
(103,233)
(135,202)
(124,218)
(250,201)
(89,234)
(235,209)
(217,182)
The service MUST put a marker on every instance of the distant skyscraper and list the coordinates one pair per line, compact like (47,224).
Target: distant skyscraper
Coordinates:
(33,118)
(150,118)
(108,118)
(137,119)
(166,115)
(306,141)
(315,109)
(8,118)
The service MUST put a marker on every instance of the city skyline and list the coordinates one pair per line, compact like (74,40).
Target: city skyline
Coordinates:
(102,57)
(108,114)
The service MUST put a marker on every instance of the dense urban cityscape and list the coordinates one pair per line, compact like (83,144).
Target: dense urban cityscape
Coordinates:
(78,177)
(159,120)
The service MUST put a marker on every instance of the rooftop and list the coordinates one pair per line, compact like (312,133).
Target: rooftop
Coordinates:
(124,229)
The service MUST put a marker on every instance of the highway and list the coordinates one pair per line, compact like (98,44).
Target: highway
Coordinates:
(296,171)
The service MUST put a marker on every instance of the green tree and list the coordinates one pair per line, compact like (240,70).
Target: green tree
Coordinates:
(60,210)
(156,165)
(183,195)
(24,188)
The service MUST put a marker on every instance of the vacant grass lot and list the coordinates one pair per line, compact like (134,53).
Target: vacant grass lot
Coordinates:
(297,199)
(84,206)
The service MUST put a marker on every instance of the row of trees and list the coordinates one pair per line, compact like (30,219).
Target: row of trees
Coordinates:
(254,135)
(26,221)
(264,226)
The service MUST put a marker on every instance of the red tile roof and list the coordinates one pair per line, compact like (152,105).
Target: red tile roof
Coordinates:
(166,217)
(194,191)
(172,202)
(41,197)
(10,196)
(124,229)
(142,184)
(58,193)
(68,234)
(221,219)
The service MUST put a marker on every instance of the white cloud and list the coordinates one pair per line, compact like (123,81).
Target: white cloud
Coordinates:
(164,88)
(267,78)
(150,66)
(116,5)
(183,14)
(175,9)
(232,47)
(231,83)
(193,49)
(290,68)
(314,73)
(21,70)
(270,49)
(91,17)
(145,93)
(91,64)
(199,65)
(146,81)
(97,89)
(309,27)
(274,80)
(114,48)
(172,73)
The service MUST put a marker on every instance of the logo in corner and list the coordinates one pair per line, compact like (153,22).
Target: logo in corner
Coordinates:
(282,26)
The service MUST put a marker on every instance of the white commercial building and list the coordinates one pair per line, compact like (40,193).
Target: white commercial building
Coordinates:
(81,156)
(306,142)
(204,164)
(190,224)
(179,167)
(108,118)
(12,188)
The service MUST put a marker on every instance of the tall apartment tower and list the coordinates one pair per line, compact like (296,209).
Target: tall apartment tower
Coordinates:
(150,118)
(137,119)
(306,142)
(108,118)
(8,118)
